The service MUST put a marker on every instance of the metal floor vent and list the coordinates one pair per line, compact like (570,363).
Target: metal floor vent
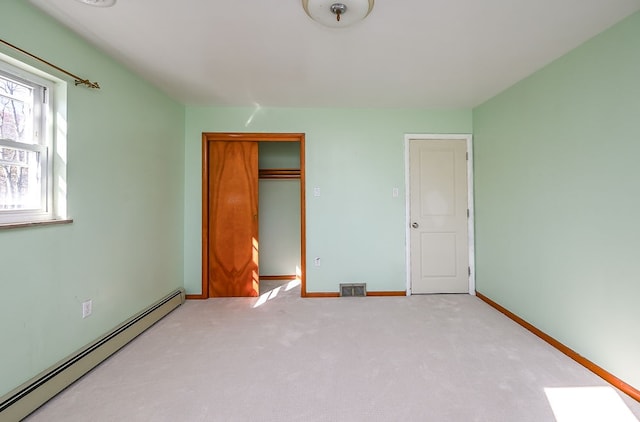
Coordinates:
(353,289)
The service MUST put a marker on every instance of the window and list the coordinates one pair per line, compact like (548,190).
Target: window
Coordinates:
(26,146)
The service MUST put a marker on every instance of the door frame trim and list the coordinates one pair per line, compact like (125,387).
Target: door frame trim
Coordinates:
(470,221)
(207,139)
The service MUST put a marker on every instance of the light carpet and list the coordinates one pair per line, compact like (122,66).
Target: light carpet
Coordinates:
(418,358)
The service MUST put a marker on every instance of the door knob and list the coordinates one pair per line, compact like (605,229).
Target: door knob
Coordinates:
(415,225)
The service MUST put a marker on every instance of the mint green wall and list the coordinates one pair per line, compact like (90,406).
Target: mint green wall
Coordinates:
(125,192)
(273,155)
(557,187)
(356,158)
(279,224)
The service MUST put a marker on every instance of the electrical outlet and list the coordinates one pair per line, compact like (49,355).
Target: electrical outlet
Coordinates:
(316,261)
(87,307)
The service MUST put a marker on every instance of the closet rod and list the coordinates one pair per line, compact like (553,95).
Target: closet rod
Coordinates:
(279,173)
(78,80)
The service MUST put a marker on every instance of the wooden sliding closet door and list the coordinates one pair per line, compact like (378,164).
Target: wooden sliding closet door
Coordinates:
(233,219)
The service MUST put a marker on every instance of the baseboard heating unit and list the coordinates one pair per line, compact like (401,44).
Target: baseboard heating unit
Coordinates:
(20,402)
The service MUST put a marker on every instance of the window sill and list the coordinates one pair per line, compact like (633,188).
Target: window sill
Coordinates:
(7,226)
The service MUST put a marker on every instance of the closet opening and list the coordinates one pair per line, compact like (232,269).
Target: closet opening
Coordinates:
(253,213)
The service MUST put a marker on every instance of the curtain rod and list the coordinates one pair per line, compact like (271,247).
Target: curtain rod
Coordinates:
(78,80)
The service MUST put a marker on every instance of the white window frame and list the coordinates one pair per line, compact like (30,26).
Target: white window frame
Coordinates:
(51,137)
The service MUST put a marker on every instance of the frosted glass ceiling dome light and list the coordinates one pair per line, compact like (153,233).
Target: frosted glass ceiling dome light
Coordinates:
(337,13)
(99,3)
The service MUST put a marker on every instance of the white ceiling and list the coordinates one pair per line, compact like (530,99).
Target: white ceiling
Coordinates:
(407,53)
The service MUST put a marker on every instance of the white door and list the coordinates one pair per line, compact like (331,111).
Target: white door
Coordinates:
(439,249)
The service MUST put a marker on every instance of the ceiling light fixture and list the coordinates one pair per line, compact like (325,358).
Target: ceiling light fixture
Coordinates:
(337,14)
(99,3)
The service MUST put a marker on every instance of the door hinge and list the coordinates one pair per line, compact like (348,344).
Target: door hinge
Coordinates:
(467,212)
(467,156)
(469,269)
